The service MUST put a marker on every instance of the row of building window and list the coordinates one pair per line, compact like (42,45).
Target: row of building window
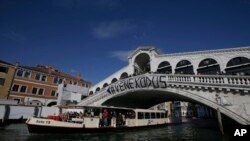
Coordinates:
(42,77)
(2,81)
(35,90)
(3,69)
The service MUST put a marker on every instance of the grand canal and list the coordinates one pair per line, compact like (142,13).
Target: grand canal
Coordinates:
(195,130)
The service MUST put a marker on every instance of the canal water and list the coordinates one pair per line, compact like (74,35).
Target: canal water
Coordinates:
(194,130)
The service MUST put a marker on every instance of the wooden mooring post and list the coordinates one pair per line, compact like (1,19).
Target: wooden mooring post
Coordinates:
(220,121)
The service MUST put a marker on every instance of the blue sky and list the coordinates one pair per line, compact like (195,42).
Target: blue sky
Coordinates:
(94,37)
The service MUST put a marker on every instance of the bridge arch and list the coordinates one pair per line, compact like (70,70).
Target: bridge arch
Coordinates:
(142,64)
(184,67)
(105,85)
(97,89)
(238,66)
(164,67)
(114,80)
(153,97)
(124,75)
(91,93)
(208,66)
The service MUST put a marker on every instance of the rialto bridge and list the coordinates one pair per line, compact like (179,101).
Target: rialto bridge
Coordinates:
(219,79)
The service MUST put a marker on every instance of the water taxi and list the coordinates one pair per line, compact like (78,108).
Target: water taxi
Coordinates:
(97,119)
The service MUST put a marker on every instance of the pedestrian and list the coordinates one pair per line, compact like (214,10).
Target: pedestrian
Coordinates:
(105,116)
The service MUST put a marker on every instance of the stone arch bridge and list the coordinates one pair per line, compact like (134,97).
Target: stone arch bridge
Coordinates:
(219,79)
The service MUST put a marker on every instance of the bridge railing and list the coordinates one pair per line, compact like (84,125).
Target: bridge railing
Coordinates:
(211,79)
(192,80)
(97,96)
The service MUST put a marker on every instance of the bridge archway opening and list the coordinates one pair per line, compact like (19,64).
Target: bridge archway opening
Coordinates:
(97,89)
(164,67)
(142,64)
(105,85)
(145,99)
(91,92)
(238,66)
(124,75)
(184,67)
(114,80)
(208,66)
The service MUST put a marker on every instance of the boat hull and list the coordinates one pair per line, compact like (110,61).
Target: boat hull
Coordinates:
(38,129)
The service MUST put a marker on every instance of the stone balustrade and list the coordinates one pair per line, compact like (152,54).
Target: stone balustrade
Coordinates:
(213,81)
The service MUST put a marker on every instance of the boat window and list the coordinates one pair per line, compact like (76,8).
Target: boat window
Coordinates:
(140,115)
(162,115)
(158,115)
(147,116)
(152,115)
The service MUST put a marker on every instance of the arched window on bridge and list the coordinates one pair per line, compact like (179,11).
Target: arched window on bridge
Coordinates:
(164,67)
(184,67)
(142,64)
(91,92)
(238,66)
(105,85)
(113,80)
(97,89)
(208,66)
(124,75)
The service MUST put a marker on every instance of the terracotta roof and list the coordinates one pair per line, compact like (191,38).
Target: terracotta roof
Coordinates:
(3,62)
(51,70)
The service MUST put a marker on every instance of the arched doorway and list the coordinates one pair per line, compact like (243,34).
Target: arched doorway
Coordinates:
(164,67)
(97,89)
(113,80)
(184,67)
(91,92)
(208,66)
(124,75)
(105,85)
(238,66)
(142,64)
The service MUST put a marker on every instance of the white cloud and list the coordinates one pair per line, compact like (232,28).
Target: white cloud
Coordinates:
(121,55)
(111,29)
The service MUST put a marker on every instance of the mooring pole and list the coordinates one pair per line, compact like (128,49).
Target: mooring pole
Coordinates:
(220,121)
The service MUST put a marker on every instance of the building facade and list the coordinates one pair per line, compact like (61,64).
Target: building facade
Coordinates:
(7,72)
(182,109)
(70,95)
(38,85)
(187,109)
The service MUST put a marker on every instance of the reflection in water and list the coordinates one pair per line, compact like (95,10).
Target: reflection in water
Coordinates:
(202,130)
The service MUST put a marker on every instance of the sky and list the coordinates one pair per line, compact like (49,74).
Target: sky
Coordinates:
(95,37)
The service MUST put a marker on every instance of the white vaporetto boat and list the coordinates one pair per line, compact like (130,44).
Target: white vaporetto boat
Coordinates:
(97,119)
